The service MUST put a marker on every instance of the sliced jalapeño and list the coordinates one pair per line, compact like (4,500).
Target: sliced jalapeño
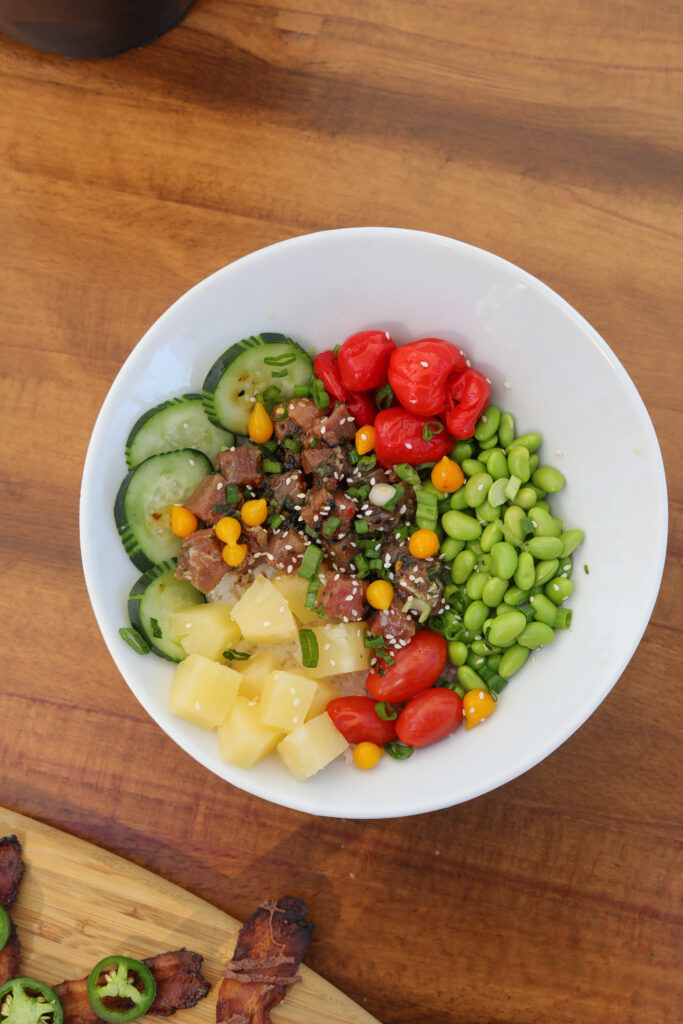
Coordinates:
(28,1001)
(120,989)
(5,928)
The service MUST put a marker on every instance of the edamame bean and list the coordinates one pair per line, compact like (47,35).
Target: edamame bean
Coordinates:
(535,634)
(463,566)
(512,521)
(480,647)
(512,660)
(475,615)
(487,513)
(563,618)
(504,559)
(450,548)
(470,679)
(475,585)
(487,424)
(484,562)
(497,464)
(462,450)
(544,547)
(559,589)
(472,466)
(457,652)
(558,523)
(493,591)
(493,660)
(515,595)
(506,628)
(458,499)
(476,489)
(545,570)
(566,567)
(543,523)
(530,441)
(571,540)
(533,463)
(541,503)
(549,478)
(506,429)
(525,573)
(518,463)
(460,526)
(489,443)
(544,610)
(491,535)
(526,498)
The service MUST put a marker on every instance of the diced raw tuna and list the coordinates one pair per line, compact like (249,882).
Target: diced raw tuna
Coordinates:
(286,549)
(304,412)
(210,492)
(240,465)
(317,506)
(336,428)
(325,462)
(200,560)
(340,553)
(422,578)
(256,539)
(344,597)
(392,624)
(288,489)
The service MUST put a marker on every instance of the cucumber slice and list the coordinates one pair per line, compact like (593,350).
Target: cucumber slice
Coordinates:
(142,509)
(175,424)
(248,368)
(151,603)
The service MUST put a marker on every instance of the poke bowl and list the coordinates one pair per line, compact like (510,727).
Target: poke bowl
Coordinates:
(551,377)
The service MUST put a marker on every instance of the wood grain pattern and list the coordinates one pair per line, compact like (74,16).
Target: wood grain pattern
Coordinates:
(78,903)
(547,132)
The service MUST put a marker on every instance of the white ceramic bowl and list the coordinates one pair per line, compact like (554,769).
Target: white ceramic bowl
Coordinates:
(548,367)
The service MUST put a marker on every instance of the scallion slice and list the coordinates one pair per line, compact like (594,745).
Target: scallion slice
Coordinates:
(311,562)
(134,639)
(309,648)
(271,467)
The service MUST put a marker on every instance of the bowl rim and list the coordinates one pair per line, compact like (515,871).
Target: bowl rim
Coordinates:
(301,803)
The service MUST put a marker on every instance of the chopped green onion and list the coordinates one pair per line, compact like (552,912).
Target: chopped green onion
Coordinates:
(292,444)
(279,373)
(272,395)
(431,428)
(311,562)
(359,492)
(156,628)
(282,360)
(320,396)
(276,521)
(362,567)
(373,641)
(336,349)
(398,494)
(310,532)
(361,526)
(426,465)
(427,499)
(313,443)
(271,467)
(268,447)
(134,639)
(331,525)
(384,397)
(234,655)
(399,751)
(385,711)
(312,593)
(367,461)
(354,457)
(232,494)
(302,391)
(408,473)
(309,648)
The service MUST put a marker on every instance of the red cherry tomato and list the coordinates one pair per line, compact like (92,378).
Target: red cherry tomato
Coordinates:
(467,396)
(358,722)
(362,407)
(401,436)
(416,667)
(364,359)
(418,373)
(429,717)
(325,367)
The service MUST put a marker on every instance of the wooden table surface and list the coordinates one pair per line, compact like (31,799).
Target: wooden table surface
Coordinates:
(548,133)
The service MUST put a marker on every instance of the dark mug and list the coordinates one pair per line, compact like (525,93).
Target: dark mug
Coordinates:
(89,28)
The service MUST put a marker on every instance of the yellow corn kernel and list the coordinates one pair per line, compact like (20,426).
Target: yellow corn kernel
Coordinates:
(423,544)
(380,594)
(183,522)
(447,475)
(254,512)
(477,705)
(234,554)
(228,529)
(366,755)
(260,424)
(365,439)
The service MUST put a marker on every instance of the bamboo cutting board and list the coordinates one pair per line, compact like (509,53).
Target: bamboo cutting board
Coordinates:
(77,903)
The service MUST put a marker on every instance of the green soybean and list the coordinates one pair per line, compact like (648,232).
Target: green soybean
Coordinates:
(512,521)
(529,441)
(493,660)
(450,548)
(493,591)
(462,450)
(512,660)
(544,610)
(545,570)
(571,540)
(470,679)
(474,546)
(487,424)
(460,526)
(486,445)
(475,585)
(506,628)
(526,498)
(545,547)
(457,652)
(472,466)
(543,522)
(487,513)
(497,464)
(475,616)
(518,463)
(549,478)
(566,567)
(458,499)
(505,559)
(476,489)
(558,589)
(525,573)
(484,562)
(491,535)
(533,463)
(563,618)
(463,566)
(515,595)
(506,429)
(536,634)
(481,648)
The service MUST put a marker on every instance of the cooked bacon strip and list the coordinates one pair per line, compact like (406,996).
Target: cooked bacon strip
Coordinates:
(11,870)
(270,947)
(10,957)
(180,984)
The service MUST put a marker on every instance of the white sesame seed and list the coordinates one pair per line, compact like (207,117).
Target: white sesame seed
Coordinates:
(408,444)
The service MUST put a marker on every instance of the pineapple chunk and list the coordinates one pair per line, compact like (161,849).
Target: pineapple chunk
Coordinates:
(324,693)
(202,691)
(311,747)
(263,615)
(294,589)
(341,649)
(243,740)
(285,699)
(206,629)
(255,672)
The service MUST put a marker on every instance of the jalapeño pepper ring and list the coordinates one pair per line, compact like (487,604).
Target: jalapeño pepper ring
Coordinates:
(5,928)
(25,1000)
(138,992)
